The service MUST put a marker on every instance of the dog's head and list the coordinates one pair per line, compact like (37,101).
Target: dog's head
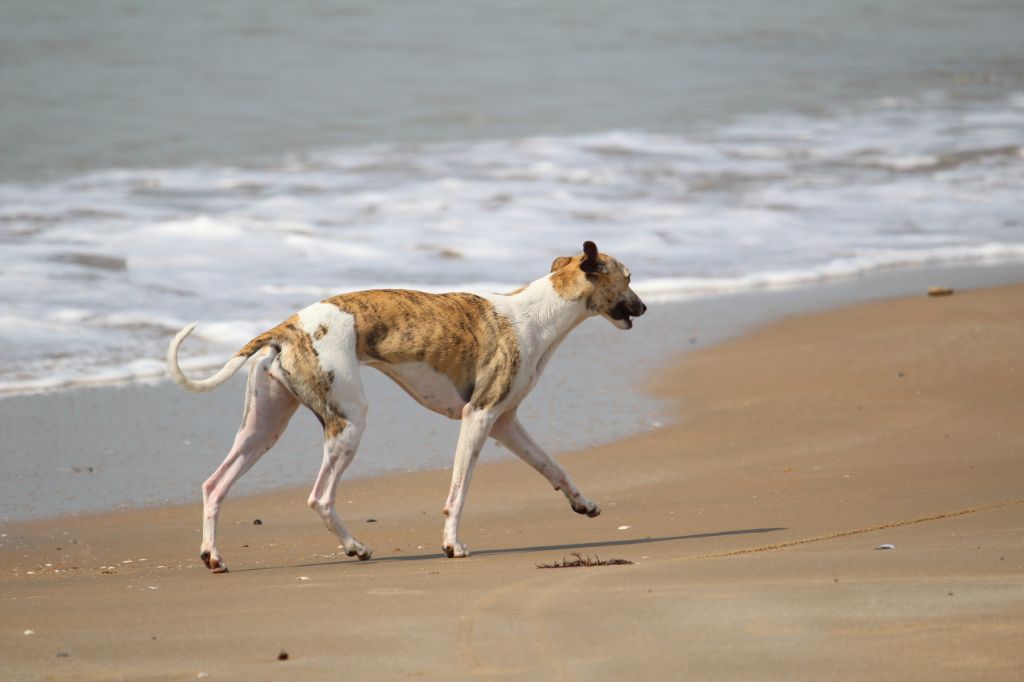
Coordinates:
(601,281)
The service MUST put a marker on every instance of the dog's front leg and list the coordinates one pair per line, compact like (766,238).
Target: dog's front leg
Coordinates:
(476,425)
(510,433)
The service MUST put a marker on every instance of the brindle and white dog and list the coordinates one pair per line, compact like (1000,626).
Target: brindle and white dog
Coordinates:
(468,357)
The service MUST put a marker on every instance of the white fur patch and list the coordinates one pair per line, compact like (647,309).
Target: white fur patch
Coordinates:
(328,326)
(541,319)
(333,333)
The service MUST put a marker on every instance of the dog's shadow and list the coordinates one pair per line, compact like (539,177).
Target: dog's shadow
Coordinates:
(526,550)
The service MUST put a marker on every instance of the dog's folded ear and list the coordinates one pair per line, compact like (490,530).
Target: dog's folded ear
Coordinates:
(560,263)
(589,264)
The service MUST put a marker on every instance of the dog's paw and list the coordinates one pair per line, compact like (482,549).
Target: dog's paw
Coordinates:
(587,507)
(455,550)
(363,553)
(214,563)
(357,549)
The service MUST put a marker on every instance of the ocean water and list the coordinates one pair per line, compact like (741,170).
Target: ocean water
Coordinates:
(230,163)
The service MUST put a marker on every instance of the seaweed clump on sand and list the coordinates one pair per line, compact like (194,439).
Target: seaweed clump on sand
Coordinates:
(585,561)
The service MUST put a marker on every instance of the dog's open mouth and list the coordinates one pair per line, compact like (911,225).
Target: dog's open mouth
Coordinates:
(620,315)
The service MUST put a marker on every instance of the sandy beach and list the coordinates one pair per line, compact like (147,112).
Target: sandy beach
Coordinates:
(808,468)
(752,520)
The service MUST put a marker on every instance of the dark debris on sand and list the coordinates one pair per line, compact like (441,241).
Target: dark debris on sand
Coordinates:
(585,561)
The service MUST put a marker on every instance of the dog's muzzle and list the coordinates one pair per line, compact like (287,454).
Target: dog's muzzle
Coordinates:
(625,310)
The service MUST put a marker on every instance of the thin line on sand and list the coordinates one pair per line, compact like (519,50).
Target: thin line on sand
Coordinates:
(857,531)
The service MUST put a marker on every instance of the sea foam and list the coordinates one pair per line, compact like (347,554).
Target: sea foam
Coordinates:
(99,270)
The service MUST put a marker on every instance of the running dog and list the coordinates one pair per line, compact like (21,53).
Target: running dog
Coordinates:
(468,357)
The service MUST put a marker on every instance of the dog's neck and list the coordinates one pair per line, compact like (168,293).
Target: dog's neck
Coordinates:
(542,316)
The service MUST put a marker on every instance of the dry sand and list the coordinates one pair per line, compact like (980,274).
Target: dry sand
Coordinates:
(752,521)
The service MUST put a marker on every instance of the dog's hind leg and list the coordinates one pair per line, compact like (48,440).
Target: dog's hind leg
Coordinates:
(510,433)
(343,427)
(476,424)
(268,407)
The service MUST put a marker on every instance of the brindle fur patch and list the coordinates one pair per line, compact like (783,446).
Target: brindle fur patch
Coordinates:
(458,335)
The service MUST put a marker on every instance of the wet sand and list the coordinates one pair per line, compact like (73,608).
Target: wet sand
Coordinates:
(752,519)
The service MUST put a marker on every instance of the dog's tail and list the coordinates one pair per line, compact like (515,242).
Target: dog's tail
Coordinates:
(222,375)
